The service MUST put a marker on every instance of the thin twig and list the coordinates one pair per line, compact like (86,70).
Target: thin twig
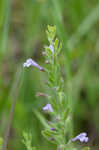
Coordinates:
(8,127)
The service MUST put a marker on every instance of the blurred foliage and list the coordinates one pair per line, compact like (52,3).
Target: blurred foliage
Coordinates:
(22,35)
(1,141)
(27,141)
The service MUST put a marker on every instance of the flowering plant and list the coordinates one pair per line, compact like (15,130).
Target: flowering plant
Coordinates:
(59,130)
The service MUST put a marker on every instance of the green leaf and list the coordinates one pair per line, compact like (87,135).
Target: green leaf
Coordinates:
(1,142)
(86,148)
(66,113)
(51,32)
(33,148)
(68,125)
(54,104)
(56,45)
(27,141)
(49,135)
(60,47)
(41,118)
(63,100)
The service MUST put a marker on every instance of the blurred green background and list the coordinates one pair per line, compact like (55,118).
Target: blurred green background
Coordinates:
(22,35)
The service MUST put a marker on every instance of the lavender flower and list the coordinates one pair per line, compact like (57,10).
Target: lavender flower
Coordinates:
(44,53)
(53,129)
(47,62)
(82,137)
(48,108)
(51,48)
(52,139)
(31,62)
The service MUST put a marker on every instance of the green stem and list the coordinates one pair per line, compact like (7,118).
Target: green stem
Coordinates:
(5,27)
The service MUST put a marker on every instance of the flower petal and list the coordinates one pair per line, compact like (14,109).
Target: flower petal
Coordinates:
(51,48)
(48,108)
(82,137)
(31,62)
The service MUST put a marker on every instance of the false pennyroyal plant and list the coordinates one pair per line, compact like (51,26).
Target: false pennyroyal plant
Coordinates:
(60,128)
(27,141)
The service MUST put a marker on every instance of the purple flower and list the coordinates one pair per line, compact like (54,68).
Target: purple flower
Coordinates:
(31,62)
(51,48)
(82,137)
(48,108)
(53,129)
(52,139)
